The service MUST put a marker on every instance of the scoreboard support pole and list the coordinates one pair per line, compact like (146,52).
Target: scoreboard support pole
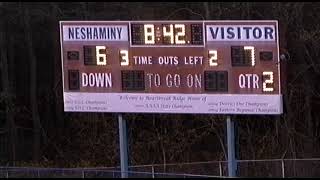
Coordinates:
(123,146)
(232,161)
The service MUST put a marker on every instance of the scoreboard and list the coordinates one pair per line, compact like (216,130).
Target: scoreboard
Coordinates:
(205,67)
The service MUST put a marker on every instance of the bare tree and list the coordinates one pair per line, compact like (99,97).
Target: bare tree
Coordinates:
(7,89)
(56,12)
(33,82)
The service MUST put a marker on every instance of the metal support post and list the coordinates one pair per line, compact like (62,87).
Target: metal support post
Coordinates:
(232,162)
(123,146)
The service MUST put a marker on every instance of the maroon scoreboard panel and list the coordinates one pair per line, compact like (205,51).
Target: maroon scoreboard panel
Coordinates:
(206,67)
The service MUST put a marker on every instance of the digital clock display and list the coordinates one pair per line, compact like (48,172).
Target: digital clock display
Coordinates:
(211,67)
(158,34)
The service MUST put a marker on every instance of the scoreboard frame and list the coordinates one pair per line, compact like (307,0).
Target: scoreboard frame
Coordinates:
(78,101)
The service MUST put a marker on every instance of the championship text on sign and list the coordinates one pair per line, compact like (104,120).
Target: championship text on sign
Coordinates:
(207,67)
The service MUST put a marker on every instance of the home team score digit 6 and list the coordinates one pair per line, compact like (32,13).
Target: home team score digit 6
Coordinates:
(101,56)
